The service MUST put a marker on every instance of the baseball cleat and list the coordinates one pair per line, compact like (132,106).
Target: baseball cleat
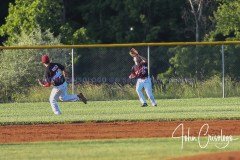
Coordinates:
(144,105)
(81,97)
(155,105)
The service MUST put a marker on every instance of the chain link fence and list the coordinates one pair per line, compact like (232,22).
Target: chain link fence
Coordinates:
(101,73)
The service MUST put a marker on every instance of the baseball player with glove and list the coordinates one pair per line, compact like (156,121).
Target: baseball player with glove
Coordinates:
(140,71)
(55,75)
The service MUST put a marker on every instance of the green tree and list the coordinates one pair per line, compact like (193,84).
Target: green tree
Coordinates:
(195,62)
(26,15)
(227,19)
(206,64)
(3,14)
(113,21)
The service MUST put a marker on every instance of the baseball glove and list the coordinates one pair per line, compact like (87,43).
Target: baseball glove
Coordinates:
(133,52)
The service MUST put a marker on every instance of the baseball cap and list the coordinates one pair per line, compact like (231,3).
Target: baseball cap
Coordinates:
(45,59)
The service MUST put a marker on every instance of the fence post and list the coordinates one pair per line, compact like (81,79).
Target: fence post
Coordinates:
(148,52)
(72,72)
(223,73)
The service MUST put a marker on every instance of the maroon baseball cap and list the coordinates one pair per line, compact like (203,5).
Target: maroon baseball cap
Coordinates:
(45,59)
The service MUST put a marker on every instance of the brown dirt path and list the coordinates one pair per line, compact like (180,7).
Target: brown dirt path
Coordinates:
(113,130)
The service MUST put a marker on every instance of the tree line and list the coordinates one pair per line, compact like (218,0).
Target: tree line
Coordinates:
(112,21)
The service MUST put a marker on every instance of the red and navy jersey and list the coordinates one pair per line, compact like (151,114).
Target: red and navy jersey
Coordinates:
(53,74)
(140,71)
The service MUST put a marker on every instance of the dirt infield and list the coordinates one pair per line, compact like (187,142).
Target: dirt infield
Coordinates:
(114,130)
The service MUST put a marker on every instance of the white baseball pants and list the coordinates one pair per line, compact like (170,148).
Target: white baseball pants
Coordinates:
(147,85)
(60,92)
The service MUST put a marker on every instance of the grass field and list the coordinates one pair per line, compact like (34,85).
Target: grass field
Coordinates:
(151,148)
(130,110)
(148,148)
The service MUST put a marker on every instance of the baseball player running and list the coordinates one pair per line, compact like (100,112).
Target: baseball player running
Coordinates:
(55,75)
(140,71)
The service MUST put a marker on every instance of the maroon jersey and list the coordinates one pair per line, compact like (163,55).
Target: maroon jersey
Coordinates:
(140,71)
(53,74)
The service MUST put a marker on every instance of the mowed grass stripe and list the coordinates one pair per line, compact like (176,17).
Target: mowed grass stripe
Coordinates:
(125,110)
(145,148)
